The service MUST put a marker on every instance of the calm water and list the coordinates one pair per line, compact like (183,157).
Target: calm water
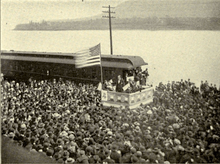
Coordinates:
(171,55)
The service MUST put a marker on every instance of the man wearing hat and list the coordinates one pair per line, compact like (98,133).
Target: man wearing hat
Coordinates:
(95,159)
(126,158)
(139,156)
(50,152)
(134,159)
(69,161)
(82,157)
(115,155)
(107,157)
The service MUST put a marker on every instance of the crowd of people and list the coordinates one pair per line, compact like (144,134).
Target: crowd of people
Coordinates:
(67,122)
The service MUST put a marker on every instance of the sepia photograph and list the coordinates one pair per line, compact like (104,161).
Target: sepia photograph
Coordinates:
(110,81)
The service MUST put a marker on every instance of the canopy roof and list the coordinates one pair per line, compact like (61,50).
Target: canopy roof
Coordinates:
(122,61)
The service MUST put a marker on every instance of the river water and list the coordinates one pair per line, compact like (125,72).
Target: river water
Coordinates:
(171,55)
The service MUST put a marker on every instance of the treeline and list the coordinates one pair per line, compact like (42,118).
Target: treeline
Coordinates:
(151,23)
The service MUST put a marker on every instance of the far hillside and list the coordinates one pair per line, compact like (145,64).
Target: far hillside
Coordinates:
(145,15)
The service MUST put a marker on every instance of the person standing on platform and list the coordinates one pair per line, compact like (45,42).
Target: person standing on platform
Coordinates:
(202,87)
(119,84)
(146,75)
(146,72)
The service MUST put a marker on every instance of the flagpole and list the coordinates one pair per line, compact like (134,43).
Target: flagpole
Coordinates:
(101,66)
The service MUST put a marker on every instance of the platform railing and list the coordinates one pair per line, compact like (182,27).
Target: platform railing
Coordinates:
(131,100)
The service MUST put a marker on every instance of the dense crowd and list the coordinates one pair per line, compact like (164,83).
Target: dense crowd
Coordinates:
(67,122)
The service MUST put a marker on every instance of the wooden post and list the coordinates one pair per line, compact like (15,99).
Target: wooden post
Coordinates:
(110,29)
(101,65)
(110,25)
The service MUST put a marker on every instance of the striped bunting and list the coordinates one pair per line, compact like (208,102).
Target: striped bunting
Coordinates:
(89,57)
(126,99)
(119,98)
(112,97)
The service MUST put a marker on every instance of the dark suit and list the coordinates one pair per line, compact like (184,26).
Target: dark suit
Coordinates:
(119,85)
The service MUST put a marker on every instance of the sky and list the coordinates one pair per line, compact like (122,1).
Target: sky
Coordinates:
(59,0)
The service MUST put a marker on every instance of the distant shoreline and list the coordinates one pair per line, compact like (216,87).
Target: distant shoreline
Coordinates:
(125,30)
(151,24)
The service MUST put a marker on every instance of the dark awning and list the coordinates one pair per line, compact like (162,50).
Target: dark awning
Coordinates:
(122,61)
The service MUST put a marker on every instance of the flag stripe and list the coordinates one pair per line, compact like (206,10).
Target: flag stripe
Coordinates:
(87,65)
(89,58)
(88,62)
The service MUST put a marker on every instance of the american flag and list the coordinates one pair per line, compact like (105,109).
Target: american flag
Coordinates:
(89,57)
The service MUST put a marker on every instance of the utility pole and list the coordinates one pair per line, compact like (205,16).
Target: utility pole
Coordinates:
(110,25)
